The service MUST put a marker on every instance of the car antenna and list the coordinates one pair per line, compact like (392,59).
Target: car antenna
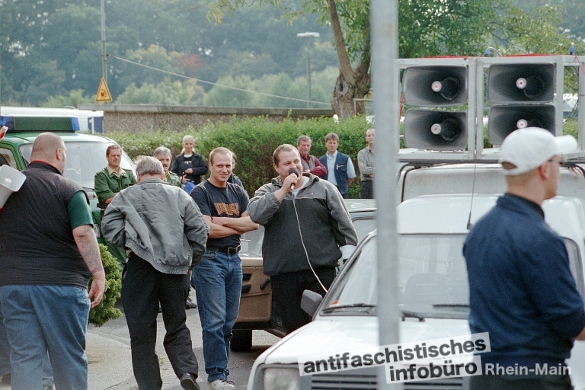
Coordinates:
(469,224)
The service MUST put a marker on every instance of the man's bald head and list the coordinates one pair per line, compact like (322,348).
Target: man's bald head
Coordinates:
(49,148)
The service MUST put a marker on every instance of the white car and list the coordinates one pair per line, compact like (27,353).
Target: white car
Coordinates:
(433,295)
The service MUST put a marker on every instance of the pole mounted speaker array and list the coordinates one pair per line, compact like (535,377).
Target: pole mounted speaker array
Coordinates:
(429,87)
(446,104)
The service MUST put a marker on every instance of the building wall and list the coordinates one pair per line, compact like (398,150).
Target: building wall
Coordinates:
(145,118)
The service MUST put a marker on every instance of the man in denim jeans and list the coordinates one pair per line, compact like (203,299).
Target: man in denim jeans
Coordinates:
(48,252)
(218,277)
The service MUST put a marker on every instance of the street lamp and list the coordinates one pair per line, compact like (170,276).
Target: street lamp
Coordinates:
(309,35)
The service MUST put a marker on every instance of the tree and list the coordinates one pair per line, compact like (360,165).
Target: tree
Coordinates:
(426,28)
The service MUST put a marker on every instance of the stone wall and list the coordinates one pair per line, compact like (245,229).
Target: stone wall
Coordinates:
(145,118)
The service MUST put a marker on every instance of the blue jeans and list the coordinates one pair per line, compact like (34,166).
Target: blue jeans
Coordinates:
(218,278)
(5,357)
(41,319)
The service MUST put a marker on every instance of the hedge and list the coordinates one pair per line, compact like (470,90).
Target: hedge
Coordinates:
(106,310)
(253,140)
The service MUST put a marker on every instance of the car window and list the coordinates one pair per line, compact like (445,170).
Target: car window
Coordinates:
(7,157)
(364,225)
(432,271)
(252,242)
(84,159)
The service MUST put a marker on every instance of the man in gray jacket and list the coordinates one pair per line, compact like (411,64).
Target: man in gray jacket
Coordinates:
(307,231)
(164,230)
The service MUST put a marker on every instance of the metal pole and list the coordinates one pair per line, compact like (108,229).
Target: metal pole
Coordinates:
(385,82)
(104,67)
(309,75)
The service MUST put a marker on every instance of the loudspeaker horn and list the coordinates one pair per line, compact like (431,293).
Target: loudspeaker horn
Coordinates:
(435,130)
(504,119)
(10,181)
(435,85)
(529,83)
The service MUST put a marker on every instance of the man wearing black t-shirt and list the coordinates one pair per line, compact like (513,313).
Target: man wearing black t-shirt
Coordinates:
(218,277)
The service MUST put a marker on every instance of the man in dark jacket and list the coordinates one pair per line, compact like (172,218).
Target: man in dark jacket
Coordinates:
(296,261)
(521,288)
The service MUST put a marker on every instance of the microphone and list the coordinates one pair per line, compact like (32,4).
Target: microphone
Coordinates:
(296,172)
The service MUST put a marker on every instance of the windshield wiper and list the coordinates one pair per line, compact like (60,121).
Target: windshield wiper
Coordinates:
(466,305)
(411,314)
(351,306)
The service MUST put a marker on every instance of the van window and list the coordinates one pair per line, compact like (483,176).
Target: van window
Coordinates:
(84,160)
(7,157)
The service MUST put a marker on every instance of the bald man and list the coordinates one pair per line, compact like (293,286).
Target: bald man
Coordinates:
(48,252)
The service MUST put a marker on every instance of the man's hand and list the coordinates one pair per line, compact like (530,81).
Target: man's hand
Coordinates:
(97,289)
(88,248)
(289,181)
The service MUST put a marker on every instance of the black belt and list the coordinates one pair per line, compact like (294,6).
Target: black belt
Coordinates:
(230,250)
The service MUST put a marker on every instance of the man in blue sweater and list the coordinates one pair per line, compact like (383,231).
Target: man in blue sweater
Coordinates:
(521,288)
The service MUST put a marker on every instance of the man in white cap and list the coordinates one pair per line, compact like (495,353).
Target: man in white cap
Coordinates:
(521,288)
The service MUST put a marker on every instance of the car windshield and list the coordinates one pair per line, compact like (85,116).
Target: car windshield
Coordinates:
(84,159)
(432,278)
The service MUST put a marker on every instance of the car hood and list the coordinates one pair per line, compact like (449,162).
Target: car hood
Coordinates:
(352,333)
(349,333)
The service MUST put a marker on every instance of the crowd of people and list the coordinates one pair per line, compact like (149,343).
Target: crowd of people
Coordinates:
(169,230)
(171,238)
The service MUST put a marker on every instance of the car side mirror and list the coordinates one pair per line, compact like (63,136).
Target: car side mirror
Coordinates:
(310,301)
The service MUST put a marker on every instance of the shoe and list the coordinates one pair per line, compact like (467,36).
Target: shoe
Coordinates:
(222,384)
(191,304)
(188,382)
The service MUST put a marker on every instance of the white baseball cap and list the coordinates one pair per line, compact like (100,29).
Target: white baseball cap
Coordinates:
(530,147)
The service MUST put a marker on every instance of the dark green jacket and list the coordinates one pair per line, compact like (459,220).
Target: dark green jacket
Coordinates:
(107,185)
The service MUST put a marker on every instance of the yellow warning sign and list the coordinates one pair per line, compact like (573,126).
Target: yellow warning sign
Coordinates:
(103,93)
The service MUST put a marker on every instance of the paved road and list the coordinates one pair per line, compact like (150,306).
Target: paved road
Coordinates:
(110,367)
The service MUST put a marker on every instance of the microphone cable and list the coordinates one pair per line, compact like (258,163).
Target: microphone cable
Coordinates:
(296,172)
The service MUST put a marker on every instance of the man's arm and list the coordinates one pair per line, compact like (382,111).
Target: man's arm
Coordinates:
(242,224)
(113,226)
(345,233)
(320,169)
(363,165)
(266,202)
(196,230)
(88,247)
(217,230)
(350,171)
(101,187)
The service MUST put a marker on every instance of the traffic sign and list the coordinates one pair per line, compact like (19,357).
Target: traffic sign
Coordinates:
(103,94)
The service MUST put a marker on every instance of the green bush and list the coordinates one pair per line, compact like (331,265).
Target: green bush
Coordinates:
(253,140)
(106,310)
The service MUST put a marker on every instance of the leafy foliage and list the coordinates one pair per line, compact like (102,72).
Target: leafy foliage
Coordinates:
(106,310)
